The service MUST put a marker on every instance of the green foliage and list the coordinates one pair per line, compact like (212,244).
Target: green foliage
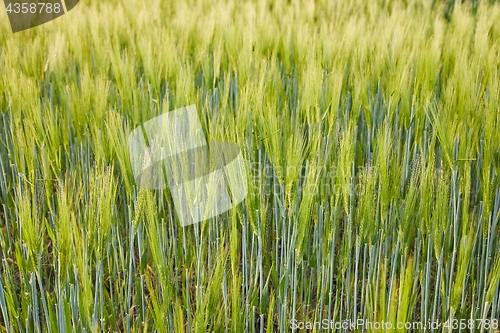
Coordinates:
(371,130)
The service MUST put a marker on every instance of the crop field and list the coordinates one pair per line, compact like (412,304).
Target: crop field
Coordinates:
(370,132)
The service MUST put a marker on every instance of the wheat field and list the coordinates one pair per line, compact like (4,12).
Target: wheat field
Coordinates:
(371,135)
